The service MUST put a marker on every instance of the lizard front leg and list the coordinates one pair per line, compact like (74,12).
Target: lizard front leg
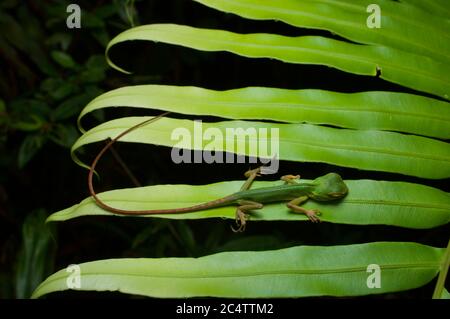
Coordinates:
(241,213)
(290,179)
(311,213)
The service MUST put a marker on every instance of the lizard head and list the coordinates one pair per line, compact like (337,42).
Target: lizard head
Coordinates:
(329,187)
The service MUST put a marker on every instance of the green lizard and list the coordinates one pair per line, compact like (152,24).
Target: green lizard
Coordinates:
(325,188)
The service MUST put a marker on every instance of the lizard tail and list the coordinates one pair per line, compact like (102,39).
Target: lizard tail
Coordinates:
(215,203)
(207,205)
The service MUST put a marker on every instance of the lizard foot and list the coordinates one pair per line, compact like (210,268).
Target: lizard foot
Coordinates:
(290,179)
(250,172)
(241,221)
(313,215)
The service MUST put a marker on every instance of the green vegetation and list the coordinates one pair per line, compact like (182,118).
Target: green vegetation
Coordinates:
(382,124)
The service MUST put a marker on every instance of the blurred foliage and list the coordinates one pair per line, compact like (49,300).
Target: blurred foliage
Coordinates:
(36,256)
(47,74)
(46,80)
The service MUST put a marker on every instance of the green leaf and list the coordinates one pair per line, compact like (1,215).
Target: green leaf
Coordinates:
(102,36)
(31,123)
(370,150)
(436,7)
(408,69)
(93,75)
(63,91)
(14,32)
(10,54)
(70,107)
(291,272)
(29,147)
(368,203)
(96,61)
(445,294)
(64,59)
(35,259)
(402,27)
(64,134)
(61,39)
(25,107)
(50,84)
(380,110)
(58,88)
(28,114)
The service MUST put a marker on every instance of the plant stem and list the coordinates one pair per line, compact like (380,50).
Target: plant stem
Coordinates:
(124,166)
(443,274)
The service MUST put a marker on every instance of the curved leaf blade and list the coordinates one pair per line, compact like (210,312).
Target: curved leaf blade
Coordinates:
(381,110)
(368,202)
(291,272)
(402,27)
(370,150)
(414,71)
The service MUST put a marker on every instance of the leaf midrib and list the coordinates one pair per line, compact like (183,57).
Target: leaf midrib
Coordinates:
(433,157)
(252,273)
(345,202)
(249,104)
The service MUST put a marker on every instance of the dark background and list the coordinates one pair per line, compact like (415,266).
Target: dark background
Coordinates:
(42,94)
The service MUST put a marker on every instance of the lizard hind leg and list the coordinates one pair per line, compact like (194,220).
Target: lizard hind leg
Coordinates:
(241,213)
(312,214)
(251,174)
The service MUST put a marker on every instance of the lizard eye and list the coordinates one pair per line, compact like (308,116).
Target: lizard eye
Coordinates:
(335,194)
